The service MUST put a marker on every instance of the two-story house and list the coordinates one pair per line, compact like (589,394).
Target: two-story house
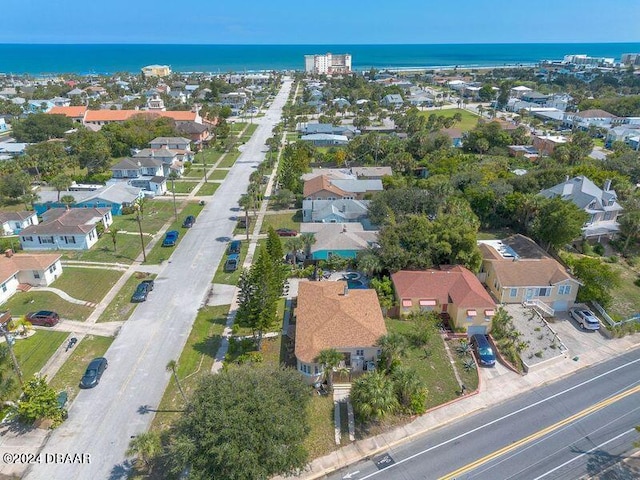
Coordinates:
(172,143)
(600,203)
(323,187)
(142,172)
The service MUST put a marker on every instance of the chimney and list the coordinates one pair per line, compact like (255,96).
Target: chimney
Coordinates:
(566,178)
(8,253)
(346,289)
(344,229)
(607,185)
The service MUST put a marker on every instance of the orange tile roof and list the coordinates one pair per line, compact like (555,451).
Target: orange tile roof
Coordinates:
(449,282)
(326,318)
(320,183)
(122,115)
(71,112)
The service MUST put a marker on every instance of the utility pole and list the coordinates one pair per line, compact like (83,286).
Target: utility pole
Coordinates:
(173,190)
(16,365)
(144,254)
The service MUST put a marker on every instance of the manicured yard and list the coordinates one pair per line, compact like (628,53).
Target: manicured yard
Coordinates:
(69,375)
(209,156)
(469,120)
(121,307)
(230,278)
(626,297)
(88,284)
(470,377)
(207,189)
(229,159)
(155,215)
(218,174)
(237,127)
(282,220)
(159,253)
(320,414)
(194,362)
(182,187)
(24,302)
(127,250)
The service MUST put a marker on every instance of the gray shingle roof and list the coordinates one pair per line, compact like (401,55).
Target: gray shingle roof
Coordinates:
(584,193)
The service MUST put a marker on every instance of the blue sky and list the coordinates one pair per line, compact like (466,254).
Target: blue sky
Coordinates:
(325,22)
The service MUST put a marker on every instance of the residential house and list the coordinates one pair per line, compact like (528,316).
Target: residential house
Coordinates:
(3,125)
(314,128)
(74,113)
(156,71)
(115,196)
(600,203)
(14,222)
(393,100)
(517,270)
(12,149)
(76,92)
(61,102)
(330,315)
(66,229)
(39,106)
(371,173)
(535,98)
(172,159)
(325,139)
(198,133)
(341,103)
(526,151)
(99,118)
(235,100)
(546,144)
(142,172)
(36,270)
(451,290)
(628,133)
(336,211)
(517,92)
(454,134)
(324,188)
(174,143)
(588,118)
(344,240)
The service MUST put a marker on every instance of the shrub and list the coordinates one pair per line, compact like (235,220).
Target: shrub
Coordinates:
(598,249)
(636,282)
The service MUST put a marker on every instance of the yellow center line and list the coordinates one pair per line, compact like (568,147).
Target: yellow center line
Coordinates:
(594,408)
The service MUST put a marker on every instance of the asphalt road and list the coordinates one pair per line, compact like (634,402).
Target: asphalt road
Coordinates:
(572,428)
(104,419)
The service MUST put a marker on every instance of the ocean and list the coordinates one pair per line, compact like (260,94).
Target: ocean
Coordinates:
(40,59)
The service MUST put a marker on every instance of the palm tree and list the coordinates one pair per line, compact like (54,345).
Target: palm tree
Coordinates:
(171,367)
(145,445)
(368,261)
(329,358)
(246,202)
(392,346)
(308,239)
(67,200)
(294,245)
(113,231)
(409,388)
(373,396)
(140,203)
(61,183)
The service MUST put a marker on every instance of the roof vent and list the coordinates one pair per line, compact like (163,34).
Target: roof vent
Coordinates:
(346,290)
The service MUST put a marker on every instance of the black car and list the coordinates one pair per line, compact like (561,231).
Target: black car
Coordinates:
(94,371)
(189,221)
(148,283)
(140,295)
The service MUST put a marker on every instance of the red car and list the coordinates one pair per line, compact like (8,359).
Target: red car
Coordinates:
(43,318)
(286,232)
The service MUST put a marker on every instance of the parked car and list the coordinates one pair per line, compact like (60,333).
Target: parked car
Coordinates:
(43,318)
(286,232)
(234,247)
(189,221)
(231,265)
(140,295)
(170,238)
(94,372)
(585,318)
(483,350)
(149,283)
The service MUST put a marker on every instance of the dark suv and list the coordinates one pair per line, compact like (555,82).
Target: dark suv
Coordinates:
(483,350)
(43,318)
(234,247)
(189,221)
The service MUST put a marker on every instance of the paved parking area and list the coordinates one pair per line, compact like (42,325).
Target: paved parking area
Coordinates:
(577,340)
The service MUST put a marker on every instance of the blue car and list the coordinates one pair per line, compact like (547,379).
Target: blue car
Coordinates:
(170,238)
(483,350)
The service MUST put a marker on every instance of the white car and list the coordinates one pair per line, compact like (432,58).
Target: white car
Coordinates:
(585,318)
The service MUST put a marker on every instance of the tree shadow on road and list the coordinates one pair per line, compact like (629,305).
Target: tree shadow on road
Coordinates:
(603,465)
(121,470)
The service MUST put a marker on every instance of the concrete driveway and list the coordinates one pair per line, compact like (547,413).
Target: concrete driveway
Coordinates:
(103,420)
(577,340)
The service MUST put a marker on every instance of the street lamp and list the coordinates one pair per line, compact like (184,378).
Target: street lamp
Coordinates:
(16,365)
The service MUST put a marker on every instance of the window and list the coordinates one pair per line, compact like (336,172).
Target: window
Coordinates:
(70,239)
(46,240)
(513,292)
(36,274)
(608,215)
(544,292)
(360,353)
(27,239)
(564,289)
(4,287)
(315,370)
(52,268)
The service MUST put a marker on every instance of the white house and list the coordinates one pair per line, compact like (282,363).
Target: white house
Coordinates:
(175,143)
(31,269)
(66,229)
(13,222)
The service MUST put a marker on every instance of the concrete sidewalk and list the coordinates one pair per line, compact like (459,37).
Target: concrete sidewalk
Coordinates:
(492,391)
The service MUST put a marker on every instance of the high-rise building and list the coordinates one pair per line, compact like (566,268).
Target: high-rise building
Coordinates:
(327,64)
(630,59)
(156,71)
(587,60)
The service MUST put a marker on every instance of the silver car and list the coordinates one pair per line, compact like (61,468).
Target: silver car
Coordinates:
(585,318)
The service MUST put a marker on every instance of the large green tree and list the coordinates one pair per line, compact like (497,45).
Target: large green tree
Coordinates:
(247,423)
(373,396)
(39,401)
(91,149)
(558,222)
(46,159)
(598,279)
(39,127)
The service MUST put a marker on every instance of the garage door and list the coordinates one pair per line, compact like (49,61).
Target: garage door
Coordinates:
(560,305)
(477,329)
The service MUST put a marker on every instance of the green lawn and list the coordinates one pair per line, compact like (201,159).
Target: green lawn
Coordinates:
(127,250)
(495,234)
(626,297)
(69,375)
(469,378)
(229,159)
(218,174)
(24,302)
(159,253)
(469,120)
(194,362)
(231,278)
(121,307)
(87,284)
(291,136)
(155,215)
(196,173)
(321,437)
(237,127)
(182,187)
(207,189)
(208,156)
(282,220)
(431,365)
